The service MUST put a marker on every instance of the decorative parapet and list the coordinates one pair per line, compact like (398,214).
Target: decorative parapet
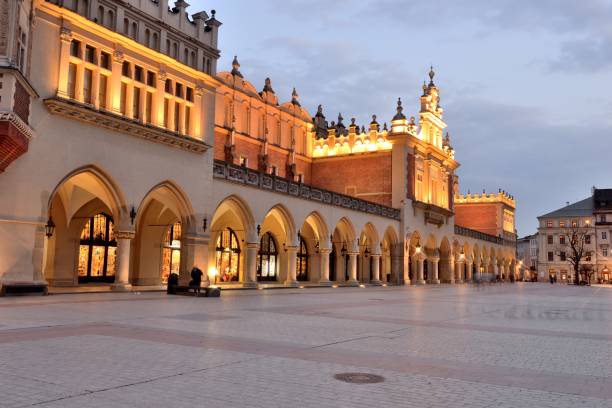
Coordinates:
(263,181)
(470,233)
(17,122)
(500,197)
(85,113)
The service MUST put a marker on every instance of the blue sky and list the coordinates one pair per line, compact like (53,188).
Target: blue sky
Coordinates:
(525,84)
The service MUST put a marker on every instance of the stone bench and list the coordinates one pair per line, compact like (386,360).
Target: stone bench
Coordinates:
(188,290)
(17,288)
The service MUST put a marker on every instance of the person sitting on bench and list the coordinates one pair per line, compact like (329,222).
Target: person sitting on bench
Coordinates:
(196,280)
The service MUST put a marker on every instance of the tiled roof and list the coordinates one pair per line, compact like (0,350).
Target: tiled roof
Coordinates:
(579,209)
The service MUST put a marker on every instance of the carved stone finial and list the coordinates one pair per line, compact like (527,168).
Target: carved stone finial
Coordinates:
(374,122)
(295,98)
(399,115)
(340,119)
(236,67)
(385,127)
(320,111)
(268,86)
(432,74)
(352,121)
(412,121)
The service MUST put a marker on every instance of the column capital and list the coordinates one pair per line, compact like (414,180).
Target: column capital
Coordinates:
(325,251)
(65,34)
(118,56)
(162,75)
(375,255)
(291,249)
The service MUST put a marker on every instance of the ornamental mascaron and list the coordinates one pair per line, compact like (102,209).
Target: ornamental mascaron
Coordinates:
(125,156)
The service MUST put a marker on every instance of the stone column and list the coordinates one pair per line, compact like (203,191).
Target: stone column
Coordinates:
(452,266)
(376,270)
(158,115)
(495,270)
(352,267)
(194,252)
(115,80)
(250,275)
(291,268)
(65,41)
(419,271)
(434,271)
(122,262)
(324,274)
(458,269)
(469,266)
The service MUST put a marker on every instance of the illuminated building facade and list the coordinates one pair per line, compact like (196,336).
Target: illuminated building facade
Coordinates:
(593,215)
(140,160)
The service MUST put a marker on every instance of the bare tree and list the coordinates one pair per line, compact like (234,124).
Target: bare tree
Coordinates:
(576,240)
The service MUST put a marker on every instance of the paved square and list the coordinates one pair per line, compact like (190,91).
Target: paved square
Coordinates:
(522,345)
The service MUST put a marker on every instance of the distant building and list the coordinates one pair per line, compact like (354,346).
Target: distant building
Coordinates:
(593,213)
(527,256)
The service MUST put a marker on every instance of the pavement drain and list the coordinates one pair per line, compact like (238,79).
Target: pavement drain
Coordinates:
(359,378)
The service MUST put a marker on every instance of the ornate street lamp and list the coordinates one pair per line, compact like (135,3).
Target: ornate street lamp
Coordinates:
(49,227)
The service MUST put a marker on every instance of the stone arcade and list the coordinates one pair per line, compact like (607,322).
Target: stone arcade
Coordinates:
(125,156)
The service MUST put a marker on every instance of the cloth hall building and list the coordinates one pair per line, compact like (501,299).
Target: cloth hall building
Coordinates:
(125,156)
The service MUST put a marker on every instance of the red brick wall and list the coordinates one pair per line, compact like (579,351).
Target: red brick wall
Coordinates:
(278,159)
(410,175)
(220,141)
(304,167)
(12,144)
(370,174)
(249,149)
(479,217)
(21,102)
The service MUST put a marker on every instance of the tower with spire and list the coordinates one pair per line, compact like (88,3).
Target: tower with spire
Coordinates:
(432,124)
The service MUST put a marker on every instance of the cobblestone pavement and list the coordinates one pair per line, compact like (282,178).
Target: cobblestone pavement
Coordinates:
(522,345)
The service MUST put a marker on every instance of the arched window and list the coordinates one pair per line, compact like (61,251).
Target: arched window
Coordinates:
(126,26)
(147,39)
(267,258)
(100,15)
(134,31)
(193,59)
(155,44)
(97,250)
(227,256)
(186,56)
(171,255)
(301,269)
(110,20)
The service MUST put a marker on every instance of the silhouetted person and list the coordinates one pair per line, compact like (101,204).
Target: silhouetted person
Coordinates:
(173,281)
(196,279)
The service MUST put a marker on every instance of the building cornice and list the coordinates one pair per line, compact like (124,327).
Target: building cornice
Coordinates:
(84,113)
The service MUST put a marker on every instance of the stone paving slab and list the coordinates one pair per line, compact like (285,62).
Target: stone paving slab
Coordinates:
(524,345)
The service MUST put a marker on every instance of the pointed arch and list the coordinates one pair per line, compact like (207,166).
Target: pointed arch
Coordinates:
(172,197)
(285,220)
(319,226)
(240,208)
(97,183)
